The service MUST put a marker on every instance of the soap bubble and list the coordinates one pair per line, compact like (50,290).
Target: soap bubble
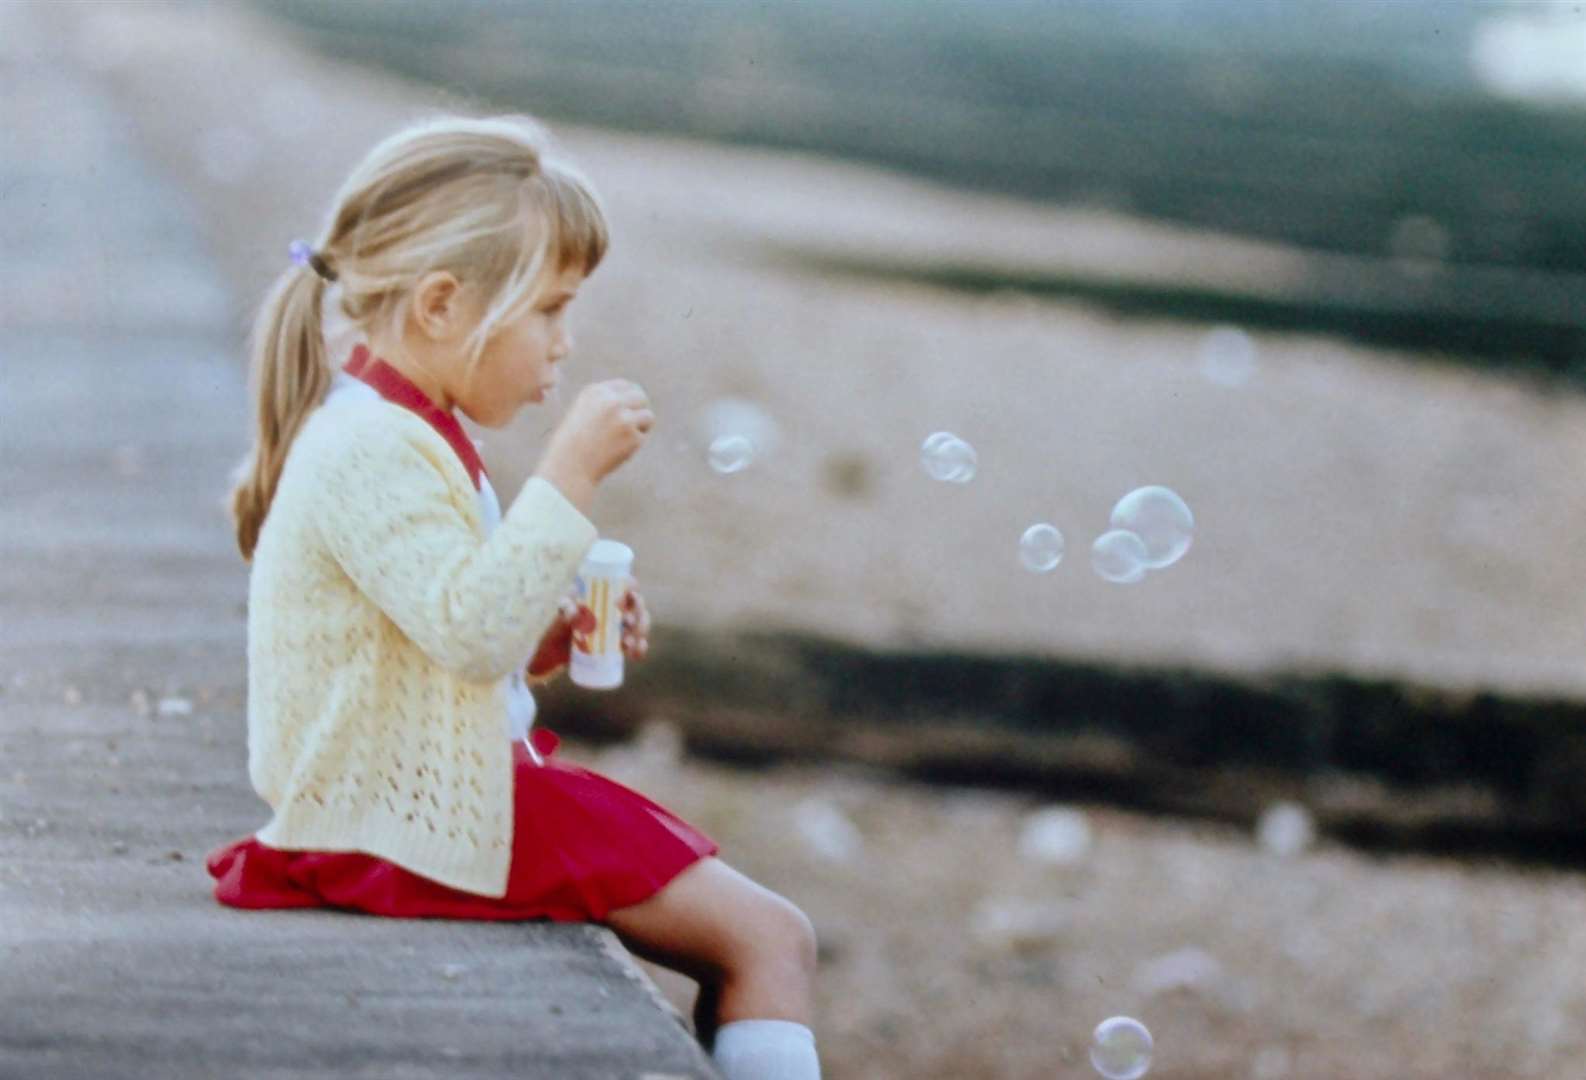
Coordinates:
(1119,556)
(1057,835)
(1418,238)
(1120,1048)
(730,454)
(1227,356)
(736,434)
(1041,548)
(1008,925)
(826,830)
(947,457)
(1285,829)
(1160,519)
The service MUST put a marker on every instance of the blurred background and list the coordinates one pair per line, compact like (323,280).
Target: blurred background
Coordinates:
(1306,801)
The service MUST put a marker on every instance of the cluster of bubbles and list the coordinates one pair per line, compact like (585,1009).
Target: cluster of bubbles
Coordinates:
(946,457)
(1151,530)
(1151,527)
(1120,1048)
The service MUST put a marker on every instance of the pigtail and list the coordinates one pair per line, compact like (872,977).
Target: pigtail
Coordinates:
(290,376)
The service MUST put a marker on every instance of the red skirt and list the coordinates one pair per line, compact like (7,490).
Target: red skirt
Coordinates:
(581,845)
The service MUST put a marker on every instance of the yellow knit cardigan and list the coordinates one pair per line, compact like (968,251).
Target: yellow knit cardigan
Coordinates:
(381,621)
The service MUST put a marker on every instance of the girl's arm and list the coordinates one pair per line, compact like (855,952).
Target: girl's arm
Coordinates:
(386,512)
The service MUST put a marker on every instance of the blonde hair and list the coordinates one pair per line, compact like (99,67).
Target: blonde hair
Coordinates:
(482,198)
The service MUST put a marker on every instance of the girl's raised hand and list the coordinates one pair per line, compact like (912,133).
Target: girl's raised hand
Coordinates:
(603,428)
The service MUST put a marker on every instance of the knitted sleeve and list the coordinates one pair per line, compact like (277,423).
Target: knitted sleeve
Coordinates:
(388,514)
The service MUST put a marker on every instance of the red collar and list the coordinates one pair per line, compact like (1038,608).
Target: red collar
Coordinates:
(398,389)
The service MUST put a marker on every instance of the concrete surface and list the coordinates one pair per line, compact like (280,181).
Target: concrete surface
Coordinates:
(122,755)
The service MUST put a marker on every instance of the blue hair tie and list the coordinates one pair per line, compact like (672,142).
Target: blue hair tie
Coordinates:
(305,256)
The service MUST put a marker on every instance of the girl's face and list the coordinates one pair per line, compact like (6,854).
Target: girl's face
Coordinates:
(521,361)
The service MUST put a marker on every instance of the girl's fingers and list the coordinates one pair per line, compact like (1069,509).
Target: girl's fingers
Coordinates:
(635,622)
(584,620)
(636,613)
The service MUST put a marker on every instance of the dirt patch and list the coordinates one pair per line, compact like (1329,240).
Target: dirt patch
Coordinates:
(947,953)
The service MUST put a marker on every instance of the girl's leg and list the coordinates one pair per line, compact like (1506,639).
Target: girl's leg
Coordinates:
(750,950)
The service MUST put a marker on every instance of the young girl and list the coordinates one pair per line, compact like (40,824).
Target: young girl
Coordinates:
(396,614)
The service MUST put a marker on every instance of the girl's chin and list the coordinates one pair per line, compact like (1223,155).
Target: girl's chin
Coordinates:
(494,423)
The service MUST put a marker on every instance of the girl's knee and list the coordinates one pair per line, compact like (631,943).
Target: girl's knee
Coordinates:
(807,944)
(789,932)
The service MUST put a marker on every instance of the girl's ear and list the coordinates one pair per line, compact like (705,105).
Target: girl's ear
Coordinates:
(437,305)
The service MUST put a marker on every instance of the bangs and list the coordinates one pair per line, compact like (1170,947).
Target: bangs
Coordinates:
(578,224)
(565,228)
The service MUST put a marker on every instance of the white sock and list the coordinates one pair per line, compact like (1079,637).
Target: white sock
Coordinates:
(766,1050)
